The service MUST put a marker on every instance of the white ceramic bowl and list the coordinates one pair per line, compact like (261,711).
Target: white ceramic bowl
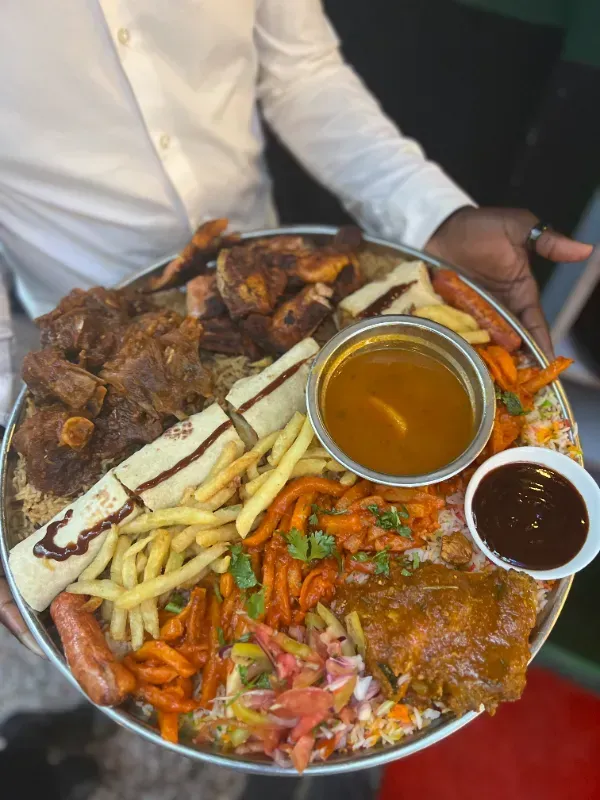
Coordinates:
(569,469)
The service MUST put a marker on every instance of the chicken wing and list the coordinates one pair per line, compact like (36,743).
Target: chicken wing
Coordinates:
(246,283)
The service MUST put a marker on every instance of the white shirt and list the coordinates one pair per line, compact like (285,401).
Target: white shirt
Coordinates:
(125,123)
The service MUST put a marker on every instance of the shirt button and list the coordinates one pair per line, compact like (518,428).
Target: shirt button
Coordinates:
(164,141)
(123,35)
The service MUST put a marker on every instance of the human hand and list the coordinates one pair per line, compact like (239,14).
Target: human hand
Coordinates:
(490,245)
(12,619)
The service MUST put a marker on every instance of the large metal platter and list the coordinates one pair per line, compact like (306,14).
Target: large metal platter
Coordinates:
(43,630)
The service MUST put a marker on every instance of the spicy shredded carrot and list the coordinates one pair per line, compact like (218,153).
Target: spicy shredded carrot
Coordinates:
(401,713)
(150,673)
(268,571)
(161,651)
(295,577)
(164,700)
(197,606)
(302,511)
(168,724)
(547,375)
(226,584)
(212,670)
(282,593)
(360,489)
(317,583)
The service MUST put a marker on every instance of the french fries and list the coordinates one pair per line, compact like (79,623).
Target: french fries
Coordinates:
(174,561)
(164,583)
(228,455)
(104,556)
(226,533)
(180,515)
(458,321)
(221,565)
(221,517)
(118,621)
(348,479)
(276,480)
(106,589)
(334,466)
(234,470)
(159,552)
(285,439)
(130,581)
(138,546)
(219,499)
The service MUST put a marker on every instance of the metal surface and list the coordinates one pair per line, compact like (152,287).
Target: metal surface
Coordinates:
(45,635)
(429,337)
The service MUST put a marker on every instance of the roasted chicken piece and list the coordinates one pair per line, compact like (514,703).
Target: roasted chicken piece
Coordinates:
(247,284)
(292,321)
(461,637)
(322,265)
(222,335)
(349,280)
(203,247)
(203,298)
(51,377)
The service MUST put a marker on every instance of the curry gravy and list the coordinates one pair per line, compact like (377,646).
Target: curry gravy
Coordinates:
(397,410)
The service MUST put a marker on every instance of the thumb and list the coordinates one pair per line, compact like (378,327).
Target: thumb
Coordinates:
(556,247)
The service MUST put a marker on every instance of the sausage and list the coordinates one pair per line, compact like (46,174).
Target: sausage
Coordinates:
(455,292)
(106,681)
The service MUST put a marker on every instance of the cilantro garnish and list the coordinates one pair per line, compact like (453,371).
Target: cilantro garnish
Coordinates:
(221,637)
(255,604)
(316,545)
(512,403)
(389,674)
(415,560)
(314,519)
(382,563)
(243,670)
(175,604)
(259,682)
(241,568)
(217,591)
(392,520)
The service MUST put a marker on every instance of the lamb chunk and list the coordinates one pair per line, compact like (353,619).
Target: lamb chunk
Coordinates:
(456,549)
(50,377)
(222,335)
(247,284)
(161,374)
(293,321)
(203,298)
(123,427)
(51,466)
(156,323)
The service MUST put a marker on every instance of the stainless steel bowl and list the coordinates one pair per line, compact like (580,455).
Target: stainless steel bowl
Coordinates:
(130,717)
(430,338)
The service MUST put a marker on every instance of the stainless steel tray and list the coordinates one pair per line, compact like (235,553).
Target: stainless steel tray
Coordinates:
(43,630)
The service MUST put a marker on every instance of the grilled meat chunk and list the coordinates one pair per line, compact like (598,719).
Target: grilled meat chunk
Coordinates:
(51,377)
(203,298)
(247,284)
(463,637)
(292,321)
(222,335)
(51,465)
(322,265)
(161,374)
(349,280)
(123,427)
(194,257)
(456,549)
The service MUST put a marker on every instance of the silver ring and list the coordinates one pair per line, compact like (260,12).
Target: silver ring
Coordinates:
(534,234)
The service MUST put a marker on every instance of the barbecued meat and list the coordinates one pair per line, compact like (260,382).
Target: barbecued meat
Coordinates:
(88,325)
(292,321)
(222,335)
(123,427)
(322,265)
(203,298)
(50,377)
(156,323)
(194,257)
(349,280)
(161,374)
(52,466)
(456,549)
(246,283)
(461,636)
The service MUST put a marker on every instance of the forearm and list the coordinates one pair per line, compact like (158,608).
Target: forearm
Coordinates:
(334,126)
(6,366)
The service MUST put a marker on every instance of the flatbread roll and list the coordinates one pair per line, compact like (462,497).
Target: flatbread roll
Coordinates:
(40,580)
(267,401)
(405,288)
(183,456)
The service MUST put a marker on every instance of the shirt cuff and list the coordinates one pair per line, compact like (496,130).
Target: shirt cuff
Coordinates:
(413,213)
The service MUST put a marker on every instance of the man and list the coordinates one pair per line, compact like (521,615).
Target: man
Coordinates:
(125,124)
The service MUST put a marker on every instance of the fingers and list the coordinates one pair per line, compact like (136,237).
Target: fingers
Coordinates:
(14,622)
(556,247)
(534,321)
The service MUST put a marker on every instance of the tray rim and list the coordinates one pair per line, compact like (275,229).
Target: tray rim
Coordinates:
(362,759)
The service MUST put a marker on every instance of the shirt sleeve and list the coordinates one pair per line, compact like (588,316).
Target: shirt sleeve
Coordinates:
(7,378)
(334,126)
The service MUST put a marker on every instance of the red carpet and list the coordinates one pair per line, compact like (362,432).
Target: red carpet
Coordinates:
(545,747)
